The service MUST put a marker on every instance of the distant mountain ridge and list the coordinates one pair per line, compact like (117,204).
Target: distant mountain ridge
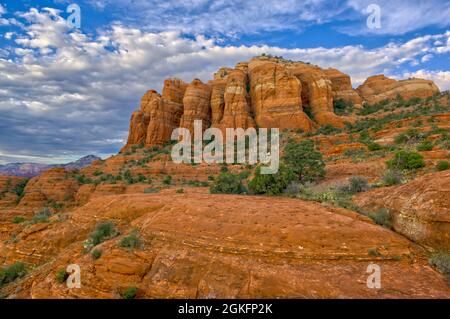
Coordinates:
(33,169)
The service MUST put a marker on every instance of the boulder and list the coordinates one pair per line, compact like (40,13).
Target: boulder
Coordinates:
(379,87)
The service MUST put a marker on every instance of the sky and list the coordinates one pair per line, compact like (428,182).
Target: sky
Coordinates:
(68,90)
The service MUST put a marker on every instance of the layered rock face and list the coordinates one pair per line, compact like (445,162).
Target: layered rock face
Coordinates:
(196,102)
(420,209)
(246,247)
(341,85)
(379,87)
(276,96)
(52,186)
(264,92)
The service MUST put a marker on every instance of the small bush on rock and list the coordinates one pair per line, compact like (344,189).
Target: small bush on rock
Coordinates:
(443,165)
(10,273)
(227,183)
(405,160)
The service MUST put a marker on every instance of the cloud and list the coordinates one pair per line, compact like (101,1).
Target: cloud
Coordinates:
(64,94)
(401,16)
(222,17)
(238,17)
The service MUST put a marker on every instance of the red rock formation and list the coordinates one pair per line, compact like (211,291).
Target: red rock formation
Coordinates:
(420,209)
(237,112)
(317,93)
(265,92)
(196,104)
(276,96)
(379,87)
(246,247)
(341,85)
(52,185)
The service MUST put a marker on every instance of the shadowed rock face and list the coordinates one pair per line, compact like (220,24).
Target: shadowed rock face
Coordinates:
(198,245)
(377,88)
(341,86)
(264,92)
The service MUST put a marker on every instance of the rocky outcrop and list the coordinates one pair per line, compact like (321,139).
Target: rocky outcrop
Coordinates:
(276,96)
(264,92)
(246,247)
(317,94)
(51,186)
(379,87)
(420,209)
(341,85)
(237,108)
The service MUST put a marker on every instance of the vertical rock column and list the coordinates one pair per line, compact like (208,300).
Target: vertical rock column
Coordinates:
(276,97)
(196,105)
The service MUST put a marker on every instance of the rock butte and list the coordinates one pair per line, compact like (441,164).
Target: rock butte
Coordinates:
(264,92)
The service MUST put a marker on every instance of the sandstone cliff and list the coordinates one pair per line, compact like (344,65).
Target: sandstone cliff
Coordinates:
(264,92)
(377,88)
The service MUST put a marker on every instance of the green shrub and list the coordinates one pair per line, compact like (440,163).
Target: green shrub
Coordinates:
(131,241)
(41,217)
(96,254)
(356,184)
(98,173)
(61,276)
(150,190)
(372,146)
(370,109)
(410,136)
(342,107)
(304,161)
(373,252)
(103,231)
(425,146)
(180,191)
(18,219)
(272,184)
(128,177)
(391,177)
(382,217)
(227,183)
(20,188)
(405,160)
(10,273)
(167,180)
(130,293)
(441,260)
(443,165)
(328,130)
(355,154)
(364,137)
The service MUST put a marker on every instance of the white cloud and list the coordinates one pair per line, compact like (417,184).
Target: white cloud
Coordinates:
(74,93)
(223,17)
(402,16)
(236,17)
(2,9)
